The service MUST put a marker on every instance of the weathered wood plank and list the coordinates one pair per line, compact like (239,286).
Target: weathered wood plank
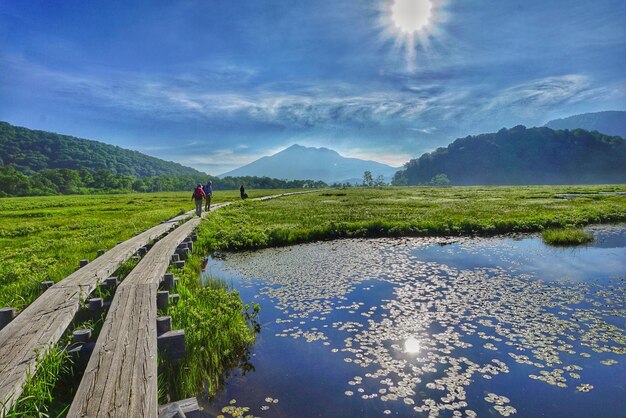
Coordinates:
(172,409)
(41,324)
(120,379)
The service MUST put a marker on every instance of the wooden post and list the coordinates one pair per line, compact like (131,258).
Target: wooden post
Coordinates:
(179,409)
(179,264)
(110,283)
(81,335)
(43,286)
(163,299)
(175,258)
(164,324)
(101,252)
(142,251)
(172,344)
(95,306)
(83,263)
(6,315)
(170,281)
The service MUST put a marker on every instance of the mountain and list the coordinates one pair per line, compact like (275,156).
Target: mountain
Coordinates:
(611,122)
(31,151)
(298,162)
(524,156)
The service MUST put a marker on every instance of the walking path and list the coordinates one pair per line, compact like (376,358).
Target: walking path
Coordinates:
(27,338)
(126,348)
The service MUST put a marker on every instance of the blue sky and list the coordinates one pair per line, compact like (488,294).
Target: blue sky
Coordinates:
(217,84)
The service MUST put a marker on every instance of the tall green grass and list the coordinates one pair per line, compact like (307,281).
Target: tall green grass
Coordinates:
(44,238)
(418,211)
(563,237)
(38,398)
(218,326)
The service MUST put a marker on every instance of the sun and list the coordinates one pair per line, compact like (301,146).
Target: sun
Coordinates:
(411,15)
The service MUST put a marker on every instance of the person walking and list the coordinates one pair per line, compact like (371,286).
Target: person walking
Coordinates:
(242,192)
(208,191)
(198,196)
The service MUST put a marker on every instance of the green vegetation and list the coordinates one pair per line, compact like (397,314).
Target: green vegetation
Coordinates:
(39,163)
(32,151)
(523,156)
(566,236)
(218,330)
(361,212)
(38,398)
(44,238)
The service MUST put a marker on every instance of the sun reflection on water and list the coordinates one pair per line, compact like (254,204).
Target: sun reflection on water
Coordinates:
(412,345)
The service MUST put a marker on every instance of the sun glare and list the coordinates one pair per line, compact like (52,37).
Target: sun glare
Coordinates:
(412,345)
(412,25)
(411,15)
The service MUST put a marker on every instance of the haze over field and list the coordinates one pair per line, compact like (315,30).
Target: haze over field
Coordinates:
(217,85)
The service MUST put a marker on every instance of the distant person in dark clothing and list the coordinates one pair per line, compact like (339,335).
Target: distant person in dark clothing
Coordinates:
(208,191)
(242,192)
(198,196)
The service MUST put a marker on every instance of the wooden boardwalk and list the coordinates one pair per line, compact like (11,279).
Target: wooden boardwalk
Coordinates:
(121,377)
(44,321)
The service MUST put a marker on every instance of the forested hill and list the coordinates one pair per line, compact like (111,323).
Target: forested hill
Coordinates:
(36,163)
(31,151)
(523,156)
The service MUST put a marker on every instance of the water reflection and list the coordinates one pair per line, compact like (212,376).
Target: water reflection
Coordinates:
(488,336)
(412,345)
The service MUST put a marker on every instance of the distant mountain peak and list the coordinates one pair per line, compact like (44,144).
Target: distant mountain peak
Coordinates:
(299,162)
(298,147)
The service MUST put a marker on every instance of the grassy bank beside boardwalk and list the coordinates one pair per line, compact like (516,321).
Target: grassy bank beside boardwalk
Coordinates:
(219,327)
(418,211)
(43,238)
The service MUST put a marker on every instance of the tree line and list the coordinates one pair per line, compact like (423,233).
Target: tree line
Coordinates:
(61,181)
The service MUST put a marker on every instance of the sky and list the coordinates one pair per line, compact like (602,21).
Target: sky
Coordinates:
(217,84)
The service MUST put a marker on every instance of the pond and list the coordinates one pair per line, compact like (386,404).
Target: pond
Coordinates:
(432,327)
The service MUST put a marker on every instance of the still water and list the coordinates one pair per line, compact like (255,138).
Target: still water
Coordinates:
(433,327)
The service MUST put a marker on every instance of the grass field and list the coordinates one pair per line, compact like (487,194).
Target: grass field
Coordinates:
(43,238)
(359,212)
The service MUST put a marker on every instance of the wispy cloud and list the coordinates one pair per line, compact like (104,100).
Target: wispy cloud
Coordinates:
(419,107)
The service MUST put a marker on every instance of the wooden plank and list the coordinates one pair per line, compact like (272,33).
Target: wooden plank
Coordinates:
(112,365)
(40,325)
(121,379)
(172,409)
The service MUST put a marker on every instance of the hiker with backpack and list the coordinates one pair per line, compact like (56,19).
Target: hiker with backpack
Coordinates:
(208,191)
(242,192)
(198,196)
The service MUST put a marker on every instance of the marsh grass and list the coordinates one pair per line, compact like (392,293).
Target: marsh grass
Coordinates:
(39,398)
(44,238)
(416,211)
(219,328)
(564,237)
